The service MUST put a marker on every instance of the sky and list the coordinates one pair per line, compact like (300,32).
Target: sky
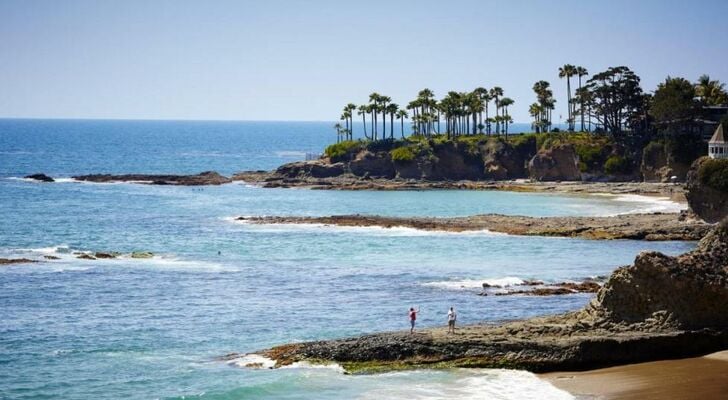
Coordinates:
(304,60)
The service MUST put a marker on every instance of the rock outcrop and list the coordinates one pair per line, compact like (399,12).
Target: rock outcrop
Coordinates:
(659,308)
(707,189)
(40,177)
(628,226)
(204,178)
(10,261)
(556,164)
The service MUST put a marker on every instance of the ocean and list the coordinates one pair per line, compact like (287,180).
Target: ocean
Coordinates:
(154,328)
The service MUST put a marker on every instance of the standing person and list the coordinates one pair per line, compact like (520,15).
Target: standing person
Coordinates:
(413,318)
(452,316)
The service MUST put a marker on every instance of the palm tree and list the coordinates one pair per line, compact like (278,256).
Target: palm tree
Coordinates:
(374,100)
(345,131)
(383,100)
(545,99)
(337,126)
(581,71)
(535,110)
(567,71)
(495,94)
(401,115)
(363,110)
(486,99)
(711,92)
(482,94)
(392,109)
(505,102)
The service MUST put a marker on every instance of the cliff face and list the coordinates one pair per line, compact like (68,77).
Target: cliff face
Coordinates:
(707,189)
(556,164)
(492,159)
(686,292)
(658,165)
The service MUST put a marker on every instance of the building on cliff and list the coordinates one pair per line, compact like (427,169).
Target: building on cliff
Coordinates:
(717,146)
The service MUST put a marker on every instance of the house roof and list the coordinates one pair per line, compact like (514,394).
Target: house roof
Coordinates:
(718,135)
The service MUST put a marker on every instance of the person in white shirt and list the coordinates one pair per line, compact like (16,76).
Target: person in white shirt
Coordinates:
(452,316)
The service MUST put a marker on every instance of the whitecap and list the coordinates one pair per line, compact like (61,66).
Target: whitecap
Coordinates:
(465,284)
(255,361)
(289,153)
(372,230)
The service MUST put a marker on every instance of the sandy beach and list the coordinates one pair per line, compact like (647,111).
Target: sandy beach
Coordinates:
(691,378)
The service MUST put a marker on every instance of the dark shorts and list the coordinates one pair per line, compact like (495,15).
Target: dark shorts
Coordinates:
(412,322)
(451,323)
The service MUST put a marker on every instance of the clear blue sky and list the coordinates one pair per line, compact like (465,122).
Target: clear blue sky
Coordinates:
(303,60)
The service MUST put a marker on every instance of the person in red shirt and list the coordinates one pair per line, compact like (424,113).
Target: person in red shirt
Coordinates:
(413,318)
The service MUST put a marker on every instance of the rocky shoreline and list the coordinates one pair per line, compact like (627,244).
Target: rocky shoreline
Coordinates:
(274,179)
(627,226)
(659,308)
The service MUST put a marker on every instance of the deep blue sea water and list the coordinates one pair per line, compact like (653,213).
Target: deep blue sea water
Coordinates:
(153,328)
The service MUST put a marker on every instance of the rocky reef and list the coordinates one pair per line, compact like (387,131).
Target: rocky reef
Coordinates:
(660,307)
(655,226)
(10,261)
(40,178)
(203,178)
(707,189)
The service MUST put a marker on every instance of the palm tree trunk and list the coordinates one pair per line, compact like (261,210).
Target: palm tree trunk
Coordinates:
(364,121)
(391,126)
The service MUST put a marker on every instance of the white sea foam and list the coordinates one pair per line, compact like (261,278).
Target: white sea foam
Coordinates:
(289,153)
(66,258)
(308,365)
(253,361)
(464,284)
(372,230)
(463,384)
(645,204)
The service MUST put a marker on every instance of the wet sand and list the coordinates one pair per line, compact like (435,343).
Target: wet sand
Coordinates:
(691,378)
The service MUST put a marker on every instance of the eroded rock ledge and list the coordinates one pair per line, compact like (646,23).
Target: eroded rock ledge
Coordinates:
(628,226)
(203,178)
(285,178)
(660,307)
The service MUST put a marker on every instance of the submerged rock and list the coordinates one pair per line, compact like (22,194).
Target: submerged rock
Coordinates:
(40,177)
(9,261)
(142,254)
(102,254)
(86,257)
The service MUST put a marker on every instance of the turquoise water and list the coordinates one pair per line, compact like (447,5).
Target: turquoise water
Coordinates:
(130,328)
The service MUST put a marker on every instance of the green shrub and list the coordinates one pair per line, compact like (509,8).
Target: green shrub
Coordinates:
(714,173)
(339,150)
(590,156)
(403,154)
(616,165)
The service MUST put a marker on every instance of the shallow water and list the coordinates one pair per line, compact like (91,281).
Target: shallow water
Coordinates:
(152,328)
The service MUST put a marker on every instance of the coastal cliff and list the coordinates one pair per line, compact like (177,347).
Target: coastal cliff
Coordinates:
(660,307)
(541,157)
(707,189)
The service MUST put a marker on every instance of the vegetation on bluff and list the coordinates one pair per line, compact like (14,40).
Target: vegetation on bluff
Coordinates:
(714,173)
(622,127)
